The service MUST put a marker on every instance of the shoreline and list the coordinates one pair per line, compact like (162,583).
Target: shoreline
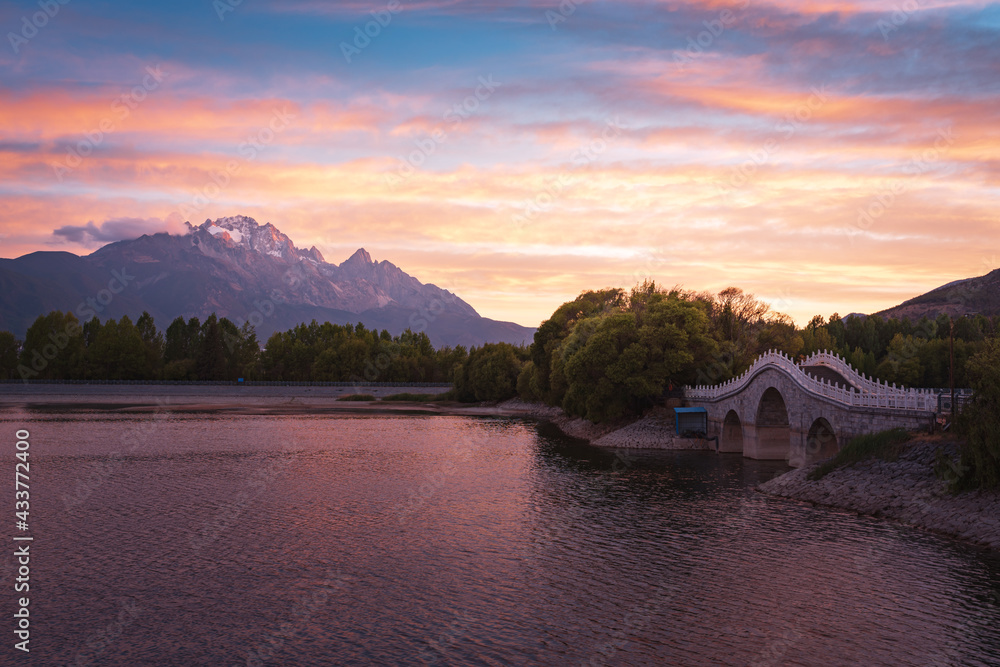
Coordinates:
(653,431)
(905,490)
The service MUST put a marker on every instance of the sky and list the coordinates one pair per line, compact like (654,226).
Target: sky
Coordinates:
(829,156)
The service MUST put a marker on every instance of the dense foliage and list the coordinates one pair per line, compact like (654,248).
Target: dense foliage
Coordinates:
(490,373)
(605,355)
(58,347)
(611,353)
(979,464)
(908,354)
(351,353)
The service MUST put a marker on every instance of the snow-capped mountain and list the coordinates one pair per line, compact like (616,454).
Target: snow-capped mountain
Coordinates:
(248,272)
(356,285)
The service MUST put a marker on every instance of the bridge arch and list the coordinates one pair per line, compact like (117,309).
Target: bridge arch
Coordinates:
(774,432)
(821,441)
(732,433)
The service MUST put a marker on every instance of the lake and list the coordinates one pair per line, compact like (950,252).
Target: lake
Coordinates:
(363,539)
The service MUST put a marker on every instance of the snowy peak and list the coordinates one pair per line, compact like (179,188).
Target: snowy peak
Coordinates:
(244,231)
(237,268)
(261,256)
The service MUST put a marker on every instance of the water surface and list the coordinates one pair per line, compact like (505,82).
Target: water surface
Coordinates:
(167,539)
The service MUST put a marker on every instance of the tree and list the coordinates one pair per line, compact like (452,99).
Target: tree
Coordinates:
(243,349)
(816,337)
(618,363)
(554,331)
(181,349)
(153,341)
(490,373)
(182,340)
(980,420)
(53,348)
(778,332)
(902,365)
(211,360)
(119,353)
(10,348)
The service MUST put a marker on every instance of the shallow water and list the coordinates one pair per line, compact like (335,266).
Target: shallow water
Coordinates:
(173,539)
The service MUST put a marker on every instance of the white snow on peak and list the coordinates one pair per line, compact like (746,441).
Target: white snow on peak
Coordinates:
(234,234)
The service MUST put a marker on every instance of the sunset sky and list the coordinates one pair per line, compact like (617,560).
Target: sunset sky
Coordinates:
(829,156)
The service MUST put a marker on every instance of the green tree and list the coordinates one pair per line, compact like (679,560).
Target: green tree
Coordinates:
(980,420)
(211,361)
(490,373)
(119,353)
(10,348)
(527,383)
(618,363)
(555,330)
(902,366)
(778,332)
(816,337)
(180,349)
(53,348)
(182,341)
(154,343)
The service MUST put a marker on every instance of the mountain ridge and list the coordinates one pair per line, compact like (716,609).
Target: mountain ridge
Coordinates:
(239,269)
(968,296)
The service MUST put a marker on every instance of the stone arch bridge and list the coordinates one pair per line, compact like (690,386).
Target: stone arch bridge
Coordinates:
(804,412)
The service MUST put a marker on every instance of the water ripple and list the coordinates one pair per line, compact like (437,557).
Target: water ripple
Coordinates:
(379,540)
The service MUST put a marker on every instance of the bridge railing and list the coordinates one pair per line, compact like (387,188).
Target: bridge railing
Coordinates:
(842,366)
(885,395)
(867,392)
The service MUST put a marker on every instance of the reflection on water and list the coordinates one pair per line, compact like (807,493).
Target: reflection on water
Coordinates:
(198,539)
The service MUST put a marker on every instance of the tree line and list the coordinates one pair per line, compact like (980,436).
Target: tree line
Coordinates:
(613,352)
(58,347)
(606,354)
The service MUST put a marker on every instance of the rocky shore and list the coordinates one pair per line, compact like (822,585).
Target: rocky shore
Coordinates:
(905,490)
(654,431)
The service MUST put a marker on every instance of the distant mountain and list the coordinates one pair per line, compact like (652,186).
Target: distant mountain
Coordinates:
(238,269)
(960,297)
